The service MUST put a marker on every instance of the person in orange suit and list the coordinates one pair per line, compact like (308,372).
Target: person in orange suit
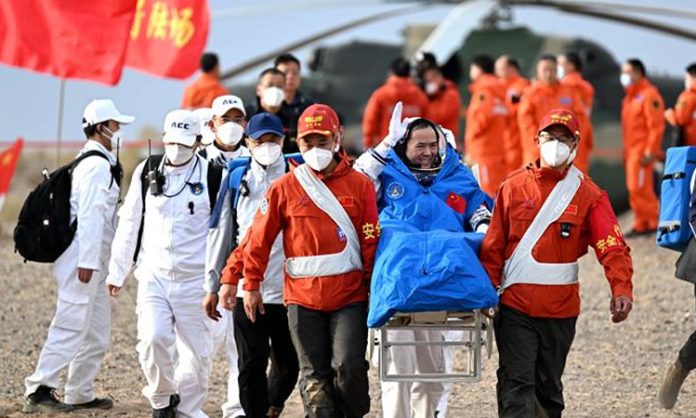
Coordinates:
(486,122)
(445,102)
(207,87)
(569,72)
(545,218)
(683,115)
(508,71)
(398,88)
(643,124)
(538,99)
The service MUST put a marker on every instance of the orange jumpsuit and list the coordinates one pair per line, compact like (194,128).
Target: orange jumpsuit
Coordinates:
(684,115)
(539,99)
(381,104)
(586,92)
(444,107)
(592,223)
(202,92)
(309,231)
(643,124)
(486,122)
(513,148)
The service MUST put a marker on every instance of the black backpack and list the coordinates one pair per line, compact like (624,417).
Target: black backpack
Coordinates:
(44,230)
(214,179)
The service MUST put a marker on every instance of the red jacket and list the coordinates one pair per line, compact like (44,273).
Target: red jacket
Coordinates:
(381,104)
(486,119)
(592,221)
(642,119)
(514,86)
(586,93)
(309,231)
(685,115)
(444,107)
(202,92)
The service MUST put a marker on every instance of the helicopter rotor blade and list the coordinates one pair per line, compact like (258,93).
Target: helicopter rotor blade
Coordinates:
(586,10)
(251,64)
(448,35)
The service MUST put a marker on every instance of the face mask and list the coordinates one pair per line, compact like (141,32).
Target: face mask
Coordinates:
(230,133)
(431,88)
(555,153)
(318,158)
(560,72)
(178,154)
(115,138)
(687,84)
(266,153)
(625,79)
(273,96)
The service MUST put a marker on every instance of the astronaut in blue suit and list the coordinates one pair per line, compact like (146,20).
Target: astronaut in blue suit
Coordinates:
(432,216)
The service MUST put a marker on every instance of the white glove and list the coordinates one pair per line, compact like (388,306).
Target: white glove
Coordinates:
(396,131)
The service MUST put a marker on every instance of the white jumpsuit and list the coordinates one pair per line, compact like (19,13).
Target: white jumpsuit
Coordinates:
(170,270)
(80,332)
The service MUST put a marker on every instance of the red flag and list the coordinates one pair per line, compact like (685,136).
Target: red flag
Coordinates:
(8,162)
(67,38)
(168,37)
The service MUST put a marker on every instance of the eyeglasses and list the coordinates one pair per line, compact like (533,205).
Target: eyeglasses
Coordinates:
(546,137)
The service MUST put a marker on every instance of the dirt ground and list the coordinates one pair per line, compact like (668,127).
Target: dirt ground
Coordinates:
(612,371)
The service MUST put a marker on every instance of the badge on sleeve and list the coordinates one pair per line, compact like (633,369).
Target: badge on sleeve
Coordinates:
(395,190)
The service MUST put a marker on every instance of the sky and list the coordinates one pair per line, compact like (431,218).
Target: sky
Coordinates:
(29,101)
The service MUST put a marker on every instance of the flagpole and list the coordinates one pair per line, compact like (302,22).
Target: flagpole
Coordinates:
(59,124)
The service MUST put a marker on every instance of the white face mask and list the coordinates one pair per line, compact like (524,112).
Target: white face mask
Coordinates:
(625,79)
(318,158)
(266,153)
(273,96)
(560,72)
(432,88)
(555,153)
(115,138)
(178,154)
(230,133)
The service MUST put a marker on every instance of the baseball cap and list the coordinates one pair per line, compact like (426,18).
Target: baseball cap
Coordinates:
(223,104)
(181,127)
(562,117)
(264,123)
(102,110)
(317,119)
(205,114)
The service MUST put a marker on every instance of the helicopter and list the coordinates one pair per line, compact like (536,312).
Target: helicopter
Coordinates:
(339,76)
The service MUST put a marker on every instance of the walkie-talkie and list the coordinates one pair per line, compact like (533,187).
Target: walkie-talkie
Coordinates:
(154,179)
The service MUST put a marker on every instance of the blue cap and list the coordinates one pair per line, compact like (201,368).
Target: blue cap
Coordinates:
(264,123)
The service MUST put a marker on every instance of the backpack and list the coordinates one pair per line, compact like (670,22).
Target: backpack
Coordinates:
(214,179)
(673,229)
(44,230)
(237,187)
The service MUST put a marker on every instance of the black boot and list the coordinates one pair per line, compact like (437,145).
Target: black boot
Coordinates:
(96,403)
(44,400)
(170,411)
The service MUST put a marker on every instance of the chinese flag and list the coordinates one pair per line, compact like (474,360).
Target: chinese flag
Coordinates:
(168,37)
(67,38)
(8,162)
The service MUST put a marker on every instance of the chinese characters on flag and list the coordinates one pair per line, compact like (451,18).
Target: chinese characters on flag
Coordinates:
(168,37)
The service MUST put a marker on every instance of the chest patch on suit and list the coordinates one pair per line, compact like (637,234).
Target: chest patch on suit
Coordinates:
(395,190)
(346,201)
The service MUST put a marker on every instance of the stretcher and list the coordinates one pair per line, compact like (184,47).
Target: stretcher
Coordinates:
(477,332)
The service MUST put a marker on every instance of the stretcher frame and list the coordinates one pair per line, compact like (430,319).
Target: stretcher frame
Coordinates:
(472,323)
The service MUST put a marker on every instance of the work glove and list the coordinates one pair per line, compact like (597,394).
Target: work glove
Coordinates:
(397,128)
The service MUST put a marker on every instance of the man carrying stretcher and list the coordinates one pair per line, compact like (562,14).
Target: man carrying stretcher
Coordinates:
(545,217)
(430,205)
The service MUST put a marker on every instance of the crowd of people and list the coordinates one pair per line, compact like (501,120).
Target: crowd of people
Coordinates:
(255,233)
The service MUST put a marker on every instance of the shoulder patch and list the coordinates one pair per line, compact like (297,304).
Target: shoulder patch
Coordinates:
(263,207)
(482,97)
(395,190)
(656,104)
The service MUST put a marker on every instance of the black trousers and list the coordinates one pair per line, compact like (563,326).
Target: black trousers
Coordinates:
(533,354)
(331,348)
(256,342)
(687,354)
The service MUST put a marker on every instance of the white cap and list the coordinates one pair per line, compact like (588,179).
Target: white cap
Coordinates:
(205,114)
(223,104)
(102,110)
(181,127)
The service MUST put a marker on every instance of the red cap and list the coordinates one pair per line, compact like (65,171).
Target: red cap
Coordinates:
(317,119)
(563,117)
